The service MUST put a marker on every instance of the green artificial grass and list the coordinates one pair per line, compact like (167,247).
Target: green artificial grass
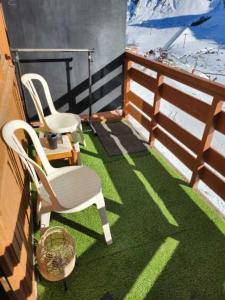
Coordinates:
(167,242)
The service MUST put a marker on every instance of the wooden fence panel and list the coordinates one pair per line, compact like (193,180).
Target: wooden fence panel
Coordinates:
(220,122)
(199,83)
(185,157)
(185,102)
(213,181)
(156,108)
(16,254)
(141,78)
(186,138)
(215,160)
(207,137)
(139,103)
(138,116)
(211,115)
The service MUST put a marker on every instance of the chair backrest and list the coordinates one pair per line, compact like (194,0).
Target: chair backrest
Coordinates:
(34,169)
(27,80)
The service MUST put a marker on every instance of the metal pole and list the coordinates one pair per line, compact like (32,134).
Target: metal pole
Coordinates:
(185,36)
(50,50)
(17,63)
(90,60)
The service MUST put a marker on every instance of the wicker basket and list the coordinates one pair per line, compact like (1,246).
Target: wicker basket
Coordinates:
(56,254)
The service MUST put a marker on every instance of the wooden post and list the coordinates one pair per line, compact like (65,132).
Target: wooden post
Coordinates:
(126,88)
(4,46)
(156,108)
(216,107)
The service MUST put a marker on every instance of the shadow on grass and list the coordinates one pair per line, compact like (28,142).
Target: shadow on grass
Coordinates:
(78,227)
(167,244)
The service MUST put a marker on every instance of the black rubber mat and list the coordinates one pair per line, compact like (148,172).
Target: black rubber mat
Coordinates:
(119,138)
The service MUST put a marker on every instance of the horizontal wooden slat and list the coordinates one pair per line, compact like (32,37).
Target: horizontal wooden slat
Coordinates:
(213,181)
(176,149)
(140,103)
(189,104)
(185,102)
(178,132)
(199,83)
(220,122)
(139,117)
(215,160)
(143,79)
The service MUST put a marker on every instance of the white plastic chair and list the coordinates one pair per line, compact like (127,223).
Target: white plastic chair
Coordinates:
(56,122)
(63,190)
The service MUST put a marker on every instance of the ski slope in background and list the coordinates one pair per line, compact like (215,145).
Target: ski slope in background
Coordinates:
(167,24)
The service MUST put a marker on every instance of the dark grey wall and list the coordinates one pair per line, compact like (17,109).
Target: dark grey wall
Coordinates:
(98,24)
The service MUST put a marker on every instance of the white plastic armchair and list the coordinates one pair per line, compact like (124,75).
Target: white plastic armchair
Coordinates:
(56,122)
(63,190)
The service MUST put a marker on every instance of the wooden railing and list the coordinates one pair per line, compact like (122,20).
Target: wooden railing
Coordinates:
(205,162)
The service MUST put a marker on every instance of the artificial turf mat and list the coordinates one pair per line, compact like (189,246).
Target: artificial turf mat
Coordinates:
(167,242)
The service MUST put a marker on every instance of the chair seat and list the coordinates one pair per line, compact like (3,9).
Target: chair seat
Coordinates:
(63,122)
(73,186)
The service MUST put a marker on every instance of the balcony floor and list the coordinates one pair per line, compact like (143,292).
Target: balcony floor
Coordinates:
(167,242)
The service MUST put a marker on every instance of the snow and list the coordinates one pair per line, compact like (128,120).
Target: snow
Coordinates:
(156,9)
(167,24)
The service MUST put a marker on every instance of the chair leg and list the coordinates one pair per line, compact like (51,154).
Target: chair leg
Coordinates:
(38,210)
(105,224)
(45,220)
(80,130)
(76,146)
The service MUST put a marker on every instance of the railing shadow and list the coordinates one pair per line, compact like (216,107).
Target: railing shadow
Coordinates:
(196,269)
(99,92)
(67,61)
(150,205)
(106,90)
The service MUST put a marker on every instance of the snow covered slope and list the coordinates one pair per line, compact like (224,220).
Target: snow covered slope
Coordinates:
(174,25)
(152,23)
(142,10)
